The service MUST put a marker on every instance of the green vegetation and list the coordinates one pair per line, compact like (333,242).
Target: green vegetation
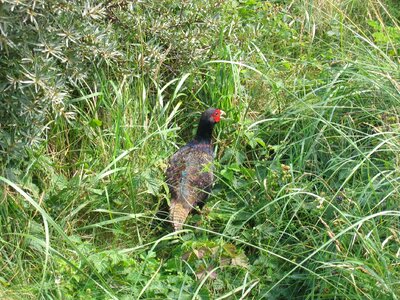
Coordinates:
(96,95)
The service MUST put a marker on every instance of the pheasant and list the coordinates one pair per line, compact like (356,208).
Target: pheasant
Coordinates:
(190,171)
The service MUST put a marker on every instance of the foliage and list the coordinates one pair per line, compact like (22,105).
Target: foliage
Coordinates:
(97,95)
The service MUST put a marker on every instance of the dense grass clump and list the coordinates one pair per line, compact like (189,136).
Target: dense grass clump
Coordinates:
(95,97)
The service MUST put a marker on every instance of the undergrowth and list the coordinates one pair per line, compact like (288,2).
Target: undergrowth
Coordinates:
(305,201)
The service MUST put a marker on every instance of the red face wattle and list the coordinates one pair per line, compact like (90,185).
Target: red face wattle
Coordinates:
(216,115)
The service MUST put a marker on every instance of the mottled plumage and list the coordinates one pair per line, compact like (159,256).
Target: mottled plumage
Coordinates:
(190,171)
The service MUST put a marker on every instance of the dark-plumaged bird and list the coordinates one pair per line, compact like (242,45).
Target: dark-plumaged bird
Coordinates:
(190,170)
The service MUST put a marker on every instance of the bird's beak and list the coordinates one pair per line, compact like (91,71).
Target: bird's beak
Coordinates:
(222,114)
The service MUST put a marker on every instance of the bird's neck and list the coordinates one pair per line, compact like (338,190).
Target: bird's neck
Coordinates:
(204,132)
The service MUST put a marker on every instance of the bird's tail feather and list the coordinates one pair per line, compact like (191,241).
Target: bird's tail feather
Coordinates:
(179,214)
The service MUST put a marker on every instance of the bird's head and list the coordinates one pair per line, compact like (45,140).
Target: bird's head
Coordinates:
(207,121)
(212,115)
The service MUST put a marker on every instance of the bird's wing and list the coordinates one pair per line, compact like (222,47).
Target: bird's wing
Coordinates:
(196,185)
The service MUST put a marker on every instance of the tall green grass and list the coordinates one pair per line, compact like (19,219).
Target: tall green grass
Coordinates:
(305,203)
